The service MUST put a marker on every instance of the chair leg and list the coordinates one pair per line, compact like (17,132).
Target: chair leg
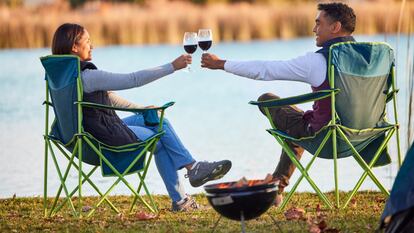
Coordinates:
(86,178)
(304,173)
(369,167)
(45,179)
(143,177)
(80,174)
(363,164)
(62,181)
(120,176)
(335,160)
(64,177)
(154,206)
(110,189)
(294,187)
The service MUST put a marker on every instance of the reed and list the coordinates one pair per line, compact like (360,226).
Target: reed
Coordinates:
(165,22)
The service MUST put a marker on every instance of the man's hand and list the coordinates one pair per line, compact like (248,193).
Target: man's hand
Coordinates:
(211,61)
(182,61)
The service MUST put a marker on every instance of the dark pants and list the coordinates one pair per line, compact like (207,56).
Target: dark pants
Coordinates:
(288,119)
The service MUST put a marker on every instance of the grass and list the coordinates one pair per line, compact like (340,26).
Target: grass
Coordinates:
(25,215)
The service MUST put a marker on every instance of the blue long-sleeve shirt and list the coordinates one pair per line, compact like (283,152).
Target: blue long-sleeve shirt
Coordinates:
(99,80)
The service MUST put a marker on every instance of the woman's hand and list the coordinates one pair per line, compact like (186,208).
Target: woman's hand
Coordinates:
(182,61)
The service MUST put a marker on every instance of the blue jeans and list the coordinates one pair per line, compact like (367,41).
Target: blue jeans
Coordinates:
(170,154)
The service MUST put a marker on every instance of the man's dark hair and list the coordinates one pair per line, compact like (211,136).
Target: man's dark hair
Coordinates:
(341,12)
(65,37)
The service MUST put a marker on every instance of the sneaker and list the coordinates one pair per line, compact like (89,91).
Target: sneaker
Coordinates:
(187,204)
(207,171)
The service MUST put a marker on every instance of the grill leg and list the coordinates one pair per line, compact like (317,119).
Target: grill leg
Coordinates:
(242,221)
(216,224)
(274,221)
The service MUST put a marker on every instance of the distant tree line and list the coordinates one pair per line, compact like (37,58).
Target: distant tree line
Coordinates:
(11,3)
(77,3)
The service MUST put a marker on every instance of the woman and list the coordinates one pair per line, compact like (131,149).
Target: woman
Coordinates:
(106,126)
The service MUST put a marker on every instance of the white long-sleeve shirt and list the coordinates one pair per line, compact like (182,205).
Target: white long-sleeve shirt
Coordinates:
(309,68)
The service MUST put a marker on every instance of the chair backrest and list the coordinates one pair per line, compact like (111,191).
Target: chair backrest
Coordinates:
(62,74)
(363,73)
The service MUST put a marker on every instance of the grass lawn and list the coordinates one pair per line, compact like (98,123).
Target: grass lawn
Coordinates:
(25,215)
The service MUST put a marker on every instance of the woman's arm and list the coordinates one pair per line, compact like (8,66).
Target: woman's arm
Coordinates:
(118,101)
(98,80)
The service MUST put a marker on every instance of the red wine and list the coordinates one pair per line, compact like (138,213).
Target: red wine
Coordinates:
(190,49)
(204,45)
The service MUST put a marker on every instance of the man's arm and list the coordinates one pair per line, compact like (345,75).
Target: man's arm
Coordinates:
(310,68)
(211,61)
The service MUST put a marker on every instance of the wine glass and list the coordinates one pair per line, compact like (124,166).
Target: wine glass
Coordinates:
(205,39)
(190,44)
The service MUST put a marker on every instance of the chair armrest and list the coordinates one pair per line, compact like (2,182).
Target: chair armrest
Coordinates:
(300,99)
(102,106)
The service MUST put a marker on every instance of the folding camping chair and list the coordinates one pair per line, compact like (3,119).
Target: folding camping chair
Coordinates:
(64,88)
(361,77)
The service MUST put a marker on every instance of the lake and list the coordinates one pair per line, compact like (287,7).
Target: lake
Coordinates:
(212,115)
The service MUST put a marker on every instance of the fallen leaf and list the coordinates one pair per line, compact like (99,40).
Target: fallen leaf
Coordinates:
(377,209)
(314,228)
(14,214)
(322,225)
(294,213)
(331,230)
(120,216)
(144,216)
(103,224)
(319,213)
(380,200)
(353,203)
(308,219)
(86,208)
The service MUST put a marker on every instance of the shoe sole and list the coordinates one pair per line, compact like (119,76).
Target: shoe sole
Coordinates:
(217,173)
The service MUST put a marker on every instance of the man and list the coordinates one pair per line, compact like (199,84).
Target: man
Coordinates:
(334,23)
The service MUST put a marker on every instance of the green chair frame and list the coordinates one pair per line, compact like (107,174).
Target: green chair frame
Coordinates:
(82,137)
(335,128)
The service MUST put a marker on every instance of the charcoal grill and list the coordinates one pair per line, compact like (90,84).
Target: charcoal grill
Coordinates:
(241,203)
